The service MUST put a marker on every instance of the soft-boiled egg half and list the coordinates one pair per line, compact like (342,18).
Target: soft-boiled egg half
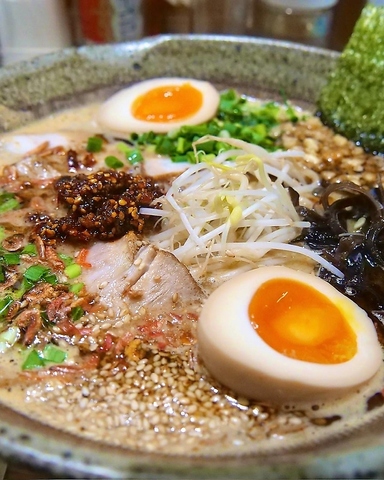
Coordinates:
(279,335)
(159,105)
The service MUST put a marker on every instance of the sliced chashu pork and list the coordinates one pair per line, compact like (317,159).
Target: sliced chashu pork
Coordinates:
(159,292)
(139,276)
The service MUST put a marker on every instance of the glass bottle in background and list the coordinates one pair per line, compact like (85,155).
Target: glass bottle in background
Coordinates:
(109,21)
(345,17)
(222,16)
(167,16)
(197,16)
(303,21)
(177,16)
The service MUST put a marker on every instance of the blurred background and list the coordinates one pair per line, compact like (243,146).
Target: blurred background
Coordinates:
(33,27)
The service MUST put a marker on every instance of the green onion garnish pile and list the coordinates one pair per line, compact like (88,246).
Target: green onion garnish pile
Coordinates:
(237,117)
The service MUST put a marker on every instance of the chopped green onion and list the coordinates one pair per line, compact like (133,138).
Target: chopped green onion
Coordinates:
(4,305)
(50,354)
(76,288)
(66,259)
(113,162)
(38,272)
(174,133)
(237,117)
(29,249)
(2,234)
(77,313)
(123,148)
(50,278)
(73,270)
(53,354)
(10,335)
(8,338)
(24,287)
(164,145)
(94,144)
(8,204)
(33,360)
(134,157)
(207,158)
(44,317)
(11,258)
(2,274)
(180,147)
(222,147)
(207,147)
(35,273)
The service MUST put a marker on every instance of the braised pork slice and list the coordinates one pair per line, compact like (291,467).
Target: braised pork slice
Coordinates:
(110,262)
(142,278)
(163,284)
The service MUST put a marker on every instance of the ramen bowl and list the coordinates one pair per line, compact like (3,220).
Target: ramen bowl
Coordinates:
(261,68)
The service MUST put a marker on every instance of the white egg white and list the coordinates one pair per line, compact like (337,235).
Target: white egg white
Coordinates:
(239,358)
(115,113)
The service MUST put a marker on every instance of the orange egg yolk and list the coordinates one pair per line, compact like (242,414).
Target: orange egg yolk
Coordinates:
(302,323)
(168,103)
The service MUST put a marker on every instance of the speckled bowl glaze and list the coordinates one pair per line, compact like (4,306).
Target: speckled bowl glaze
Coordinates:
(33,89)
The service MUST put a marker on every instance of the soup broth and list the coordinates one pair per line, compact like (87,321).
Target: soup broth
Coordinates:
(129,379)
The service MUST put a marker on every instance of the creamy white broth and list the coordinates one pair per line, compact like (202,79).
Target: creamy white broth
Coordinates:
(80,118)
(165,402)
(75,125)
(242,427)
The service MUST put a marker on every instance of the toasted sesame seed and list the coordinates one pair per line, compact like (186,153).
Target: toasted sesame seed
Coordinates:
(159,403)
(85,392)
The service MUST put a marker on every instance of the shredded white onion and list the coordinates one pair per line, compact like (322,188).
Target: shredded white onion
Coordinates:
(234,208)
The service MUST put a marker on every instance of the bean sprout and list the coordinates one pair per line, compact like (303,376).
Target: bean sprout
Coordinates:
(234,208)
